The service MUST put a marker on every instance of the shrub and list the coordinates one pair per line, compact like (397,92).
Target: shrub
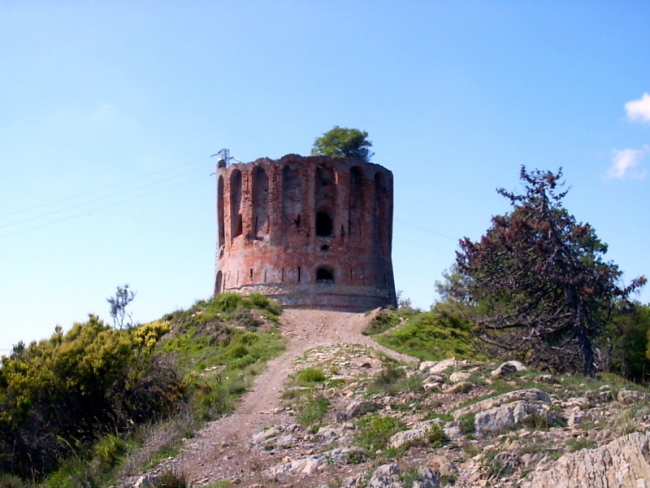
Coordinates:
(110,449)
(310,376)
(171,479)
(9,481)
(388,376)
(68,390)
(226,302)
(436,436)
(467,423)
(375,431)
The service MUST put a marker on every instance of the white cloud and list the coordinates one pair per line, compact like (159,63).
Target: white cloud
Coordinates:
(625,162)
(639,110)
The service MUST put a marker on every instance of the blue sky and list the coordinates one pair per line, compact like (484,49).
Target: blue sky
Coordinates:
(109,112)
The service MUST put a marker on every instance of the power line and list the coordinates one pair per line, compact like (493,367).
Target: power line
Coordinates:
(423,229)
(101,189)
(86,212)
(78,205)
(420,244)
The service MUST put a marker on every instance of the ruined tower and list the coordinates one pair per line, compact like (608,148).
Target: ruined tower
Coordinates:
(309,232)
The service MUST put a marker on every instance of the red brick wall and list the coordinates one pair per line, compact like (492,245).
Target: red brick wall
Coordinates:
(310,232)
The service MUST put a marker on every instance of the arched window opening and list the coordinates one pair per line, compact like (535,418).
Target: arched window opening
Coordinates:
(220,218)
(324,224)
(236,225)
(218,285)
(291,197)
(324,275)
(325,200)
(356,213)
(380,210)
(260,202)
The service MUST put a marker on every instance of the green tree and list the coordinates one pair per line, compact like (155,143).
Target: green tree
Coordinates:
(537,281)
(344,143)
(628,343)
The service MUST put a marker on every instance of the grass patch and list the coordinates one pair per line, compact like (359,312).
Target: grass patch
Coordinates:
(313,409)
(410,476)
(432,336)
(374,431)
(310,376)
(392,380)
(384,320)
(471,450)
(9,481)
(580,443)
(171,479)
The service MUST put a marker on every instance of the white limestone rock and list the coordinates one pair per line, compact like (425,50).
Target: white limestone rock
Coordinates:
(623,463)
(508,416)
(508,368)
(531,395)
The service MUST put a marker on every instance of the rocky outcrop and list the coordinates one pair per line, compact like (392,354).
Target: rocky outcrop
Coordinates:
(624,462)
(411,436)
(446,423)
(311,464)
(387,476)
(530,395)
(507,416)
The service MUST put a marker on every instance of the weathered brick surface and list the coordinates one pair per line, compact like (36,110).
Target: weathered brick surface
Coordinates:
(310,232)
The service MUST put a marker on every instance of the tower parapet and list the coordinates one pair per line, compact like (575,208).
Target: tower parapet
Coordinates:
(309,232)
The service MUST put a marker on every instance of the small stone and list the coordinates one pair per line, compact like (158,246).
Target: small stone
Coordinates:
(459,376)
(508,368)
(629,397)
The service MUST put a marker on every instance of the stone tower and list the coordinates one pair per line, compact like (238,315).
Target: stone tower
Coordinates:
(309,232)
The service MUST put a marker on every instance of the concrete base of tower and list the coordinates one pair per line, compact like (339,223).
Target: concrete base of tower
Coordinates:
(322,296)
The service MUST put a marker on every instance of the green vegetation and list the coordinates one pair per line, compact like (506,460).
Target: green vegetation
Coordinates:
(313,409)
(171,479)
(384,320)
(536,284)
(73,406)
(467,423)
(61,394)
(580,443)
(628,339)
(436,436)
(310,376)
(374,431)
(392,380)
(344,143)
(438,334)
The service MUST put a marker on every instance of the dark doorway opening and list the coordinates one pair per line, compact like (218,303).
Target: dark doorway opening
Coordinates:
(324,224)
(324,275)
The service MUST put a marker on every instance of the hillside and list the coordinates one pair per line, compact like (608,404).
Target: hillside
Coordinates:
(337,410)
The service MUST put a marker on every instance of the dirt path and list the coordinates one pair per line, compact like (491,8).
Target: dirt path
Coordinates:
(220,451)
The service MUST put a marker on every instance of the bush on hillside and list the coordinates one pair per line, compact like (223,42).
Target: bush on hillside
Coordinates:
(628,341)
(61,394)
